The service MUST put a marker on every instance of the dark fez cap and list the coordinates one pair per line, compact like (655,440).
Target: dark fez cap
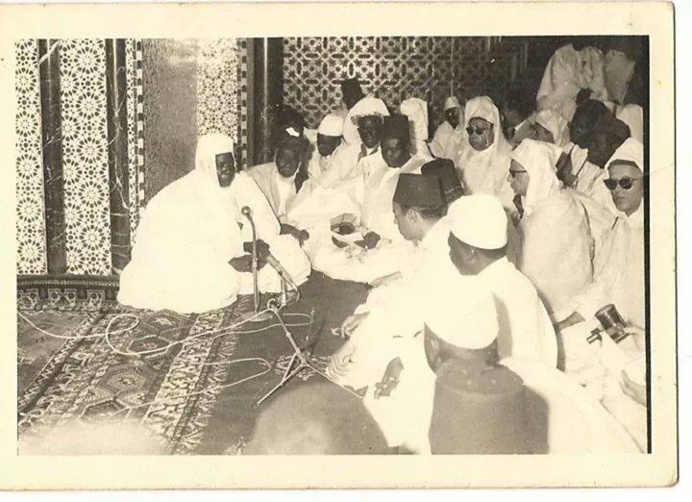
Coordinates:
(396,126)
(350,88)
(418,191)
(445,172)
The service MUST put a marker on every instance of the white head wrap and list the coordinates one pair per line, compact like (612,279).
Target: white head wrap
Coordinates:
(208,147)
(482,107)
(553,122)
(633,116)
(364,107)
(539,159)
(451,102)
(479,221)
(417,112)
(475,327)
(485,171)
(331,125)
(632,151)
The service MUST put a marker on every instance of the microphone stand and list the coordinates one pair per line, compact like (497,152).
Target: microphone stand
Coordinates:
(298,355)
(257,316)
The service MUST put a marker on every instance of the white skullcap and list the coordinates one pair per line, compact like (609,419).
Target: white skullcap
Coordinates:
(465,315)
(451,102)
(479,221)
(331,125)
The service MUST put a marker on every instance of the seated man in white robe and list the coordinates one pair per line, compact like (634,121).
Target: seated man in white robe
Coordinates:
(450,135)
(283,179)
(362,131)
(478,247)
(619,279)
(375,247)
(328,141)
(391,309)
(193,242)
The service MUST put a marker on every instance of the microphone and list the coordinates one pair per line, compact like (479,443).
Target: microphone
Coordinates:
(271,259)
(283,273)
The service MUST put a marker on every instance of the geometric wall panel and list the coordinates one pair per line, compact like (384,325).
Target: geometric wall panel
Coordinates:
(85,156)
(30,224)
(391,68)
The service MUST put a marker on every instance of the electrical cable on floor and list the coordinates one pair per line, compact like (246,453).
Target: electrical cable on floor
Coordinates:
(226,330)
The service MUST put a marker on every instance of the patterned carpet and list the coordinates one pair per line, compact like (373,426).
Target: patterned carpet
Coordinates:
(196,379)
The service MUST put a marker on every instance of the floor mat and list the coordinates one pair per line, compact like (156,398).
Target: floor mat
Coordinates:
(196,379)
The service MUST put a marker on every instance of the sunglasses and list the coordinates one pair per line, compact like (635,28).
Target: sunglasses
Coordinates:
(513,173)
(478,131)
(625,183)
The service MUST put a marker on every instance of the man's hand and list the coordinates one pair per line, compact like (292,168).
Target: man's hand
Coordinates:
(390,379)
(340,360)
(242,263)
(369,241)
(300,235)
(352,322)
(262,252)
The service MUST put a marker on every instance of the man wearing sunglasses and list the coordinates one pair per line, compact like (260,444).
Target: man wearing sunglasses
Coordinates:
(483,167)
(624,245)
(619,280)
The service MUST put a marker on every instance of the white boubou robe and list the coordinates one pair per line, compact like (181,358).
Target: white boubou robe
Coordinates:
(485,172)
(191,230)
(556,248)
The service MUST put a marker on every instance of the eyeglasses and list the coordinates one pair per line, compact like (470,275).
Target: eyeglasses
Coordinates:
(478,131)
(625,183)
(514,173)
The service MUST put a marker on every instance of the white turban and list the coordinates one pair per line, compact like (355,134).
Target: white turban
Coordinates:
(451,102)
(417,112)
(364,107)
(479,221)
(631,151)
(469,322)
(553,122)
(331,125)
(633,116)
(539,159)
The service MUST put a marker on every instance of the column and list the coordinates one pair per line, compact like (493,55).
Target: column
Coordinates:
(51,142)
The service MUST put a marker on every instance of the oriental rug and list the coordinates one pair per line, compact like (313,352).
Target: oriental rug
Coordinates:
(195,379)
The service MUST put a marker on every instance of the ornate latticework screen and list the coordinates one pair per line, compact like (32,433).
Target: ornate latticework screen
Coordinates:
(392,68)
